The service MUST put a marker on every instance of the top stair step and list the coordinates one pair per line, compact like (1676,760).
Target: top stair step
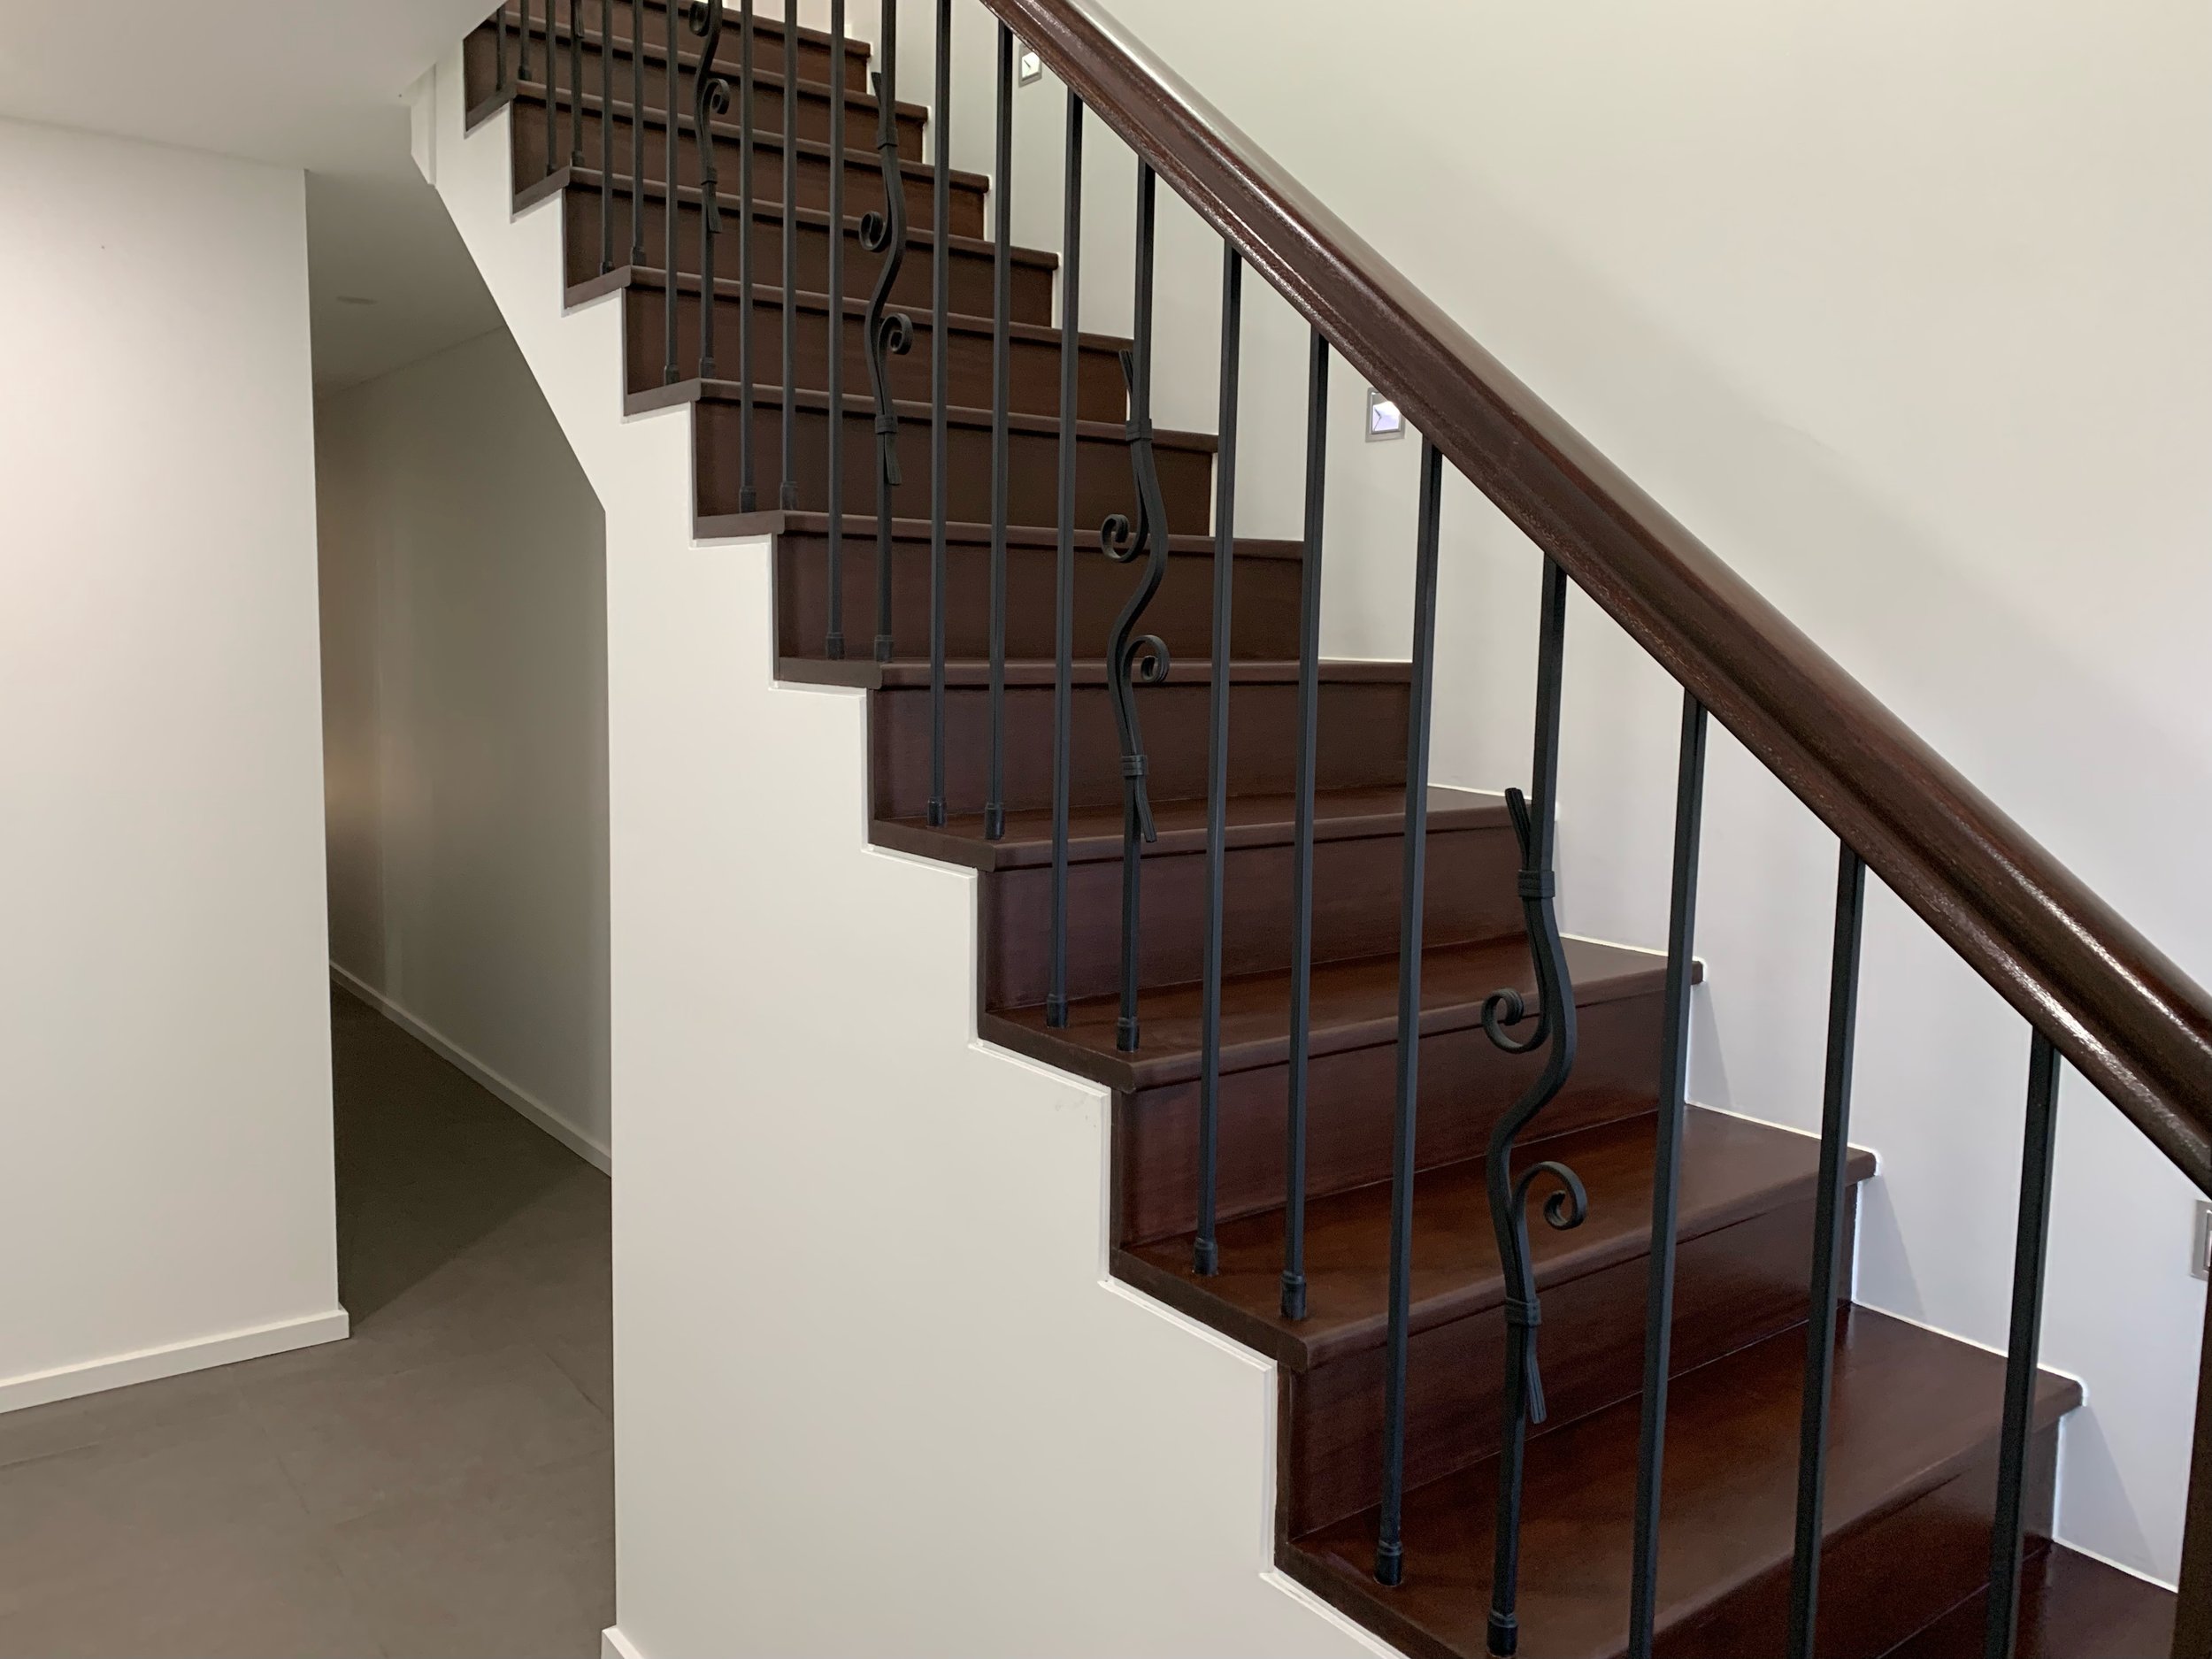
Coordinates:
(814,53)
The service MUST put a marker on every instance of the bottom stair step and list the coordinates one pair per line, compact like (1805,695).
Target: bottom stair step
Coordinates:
(1911,1478)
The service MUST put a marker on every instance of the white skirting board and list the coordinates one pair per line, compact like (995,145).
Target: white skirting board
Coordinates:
(120,1370)
(614,1645)
(529,1104)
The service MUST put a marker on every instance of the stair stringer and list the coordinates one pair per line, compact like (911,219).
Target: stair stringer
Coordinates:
(875,1389)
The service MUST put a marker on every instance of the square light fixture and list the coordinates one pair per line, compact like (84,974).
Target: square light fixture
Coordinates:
(1384,422)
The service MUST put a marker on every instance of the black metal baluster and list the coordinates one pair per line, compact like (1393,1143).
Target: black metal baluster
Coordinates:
(1302,839)
(1001,301)
(748,485)
(1134,659)
(552,89)
(576,86)
(1535,820)
(522,65)
(709,100)
(1390,1555)
(1207,1251)
(499,75)
(833,646)
(940,360)
(1830,1204)
(637,139)
(606,137)
(1689,815)
(1064,586)
(788,490)
(669,373)
(890,334)
(2021,1353)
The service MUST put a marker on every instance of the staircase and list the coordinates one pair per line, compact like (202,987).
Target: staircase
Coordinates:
(1914,1431)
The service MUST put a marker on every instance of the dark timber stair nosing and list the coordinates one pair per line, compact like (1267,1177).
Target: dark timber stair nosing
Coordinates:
(727,287)
(588,178)
(1787,1175)
(913,416)
(866,674)
(1339,815)
(778,522)
(1629,974)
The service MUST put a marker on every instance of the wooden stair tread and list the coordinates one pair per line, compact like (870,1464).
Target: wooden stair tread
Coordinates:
(765,293)
(2071,1606)
(862,526)
(589,178)
(867,674)
(1355,1005)
(768,28)
(914,417)
(859,157)
(1094,833)
(1912,1409)
(1732,1168)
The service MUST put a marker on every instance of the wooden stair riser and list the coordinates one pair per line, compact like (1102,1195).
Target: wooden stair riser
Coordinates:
(1884,1581)
(1466,1084)
(768,44)
(1104,483)
(1735,1287)
(1361,742)
(481,60)
(1034,363)
(1357,883)
(970,269)
(1265,627)
(864,181)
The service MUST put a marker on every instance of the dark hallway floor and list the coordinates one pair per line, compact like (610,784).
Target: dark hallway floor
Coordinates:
(441,1483)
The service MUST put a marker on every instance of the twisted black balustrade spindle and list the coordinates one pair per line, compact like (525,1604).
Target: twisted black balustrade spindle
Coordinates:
(670,372)
(576,85)
(1063,583)
(1666,1180)
(748,485)
(788,490)
(1302,839)
(939,368)
(637,139)
(606,137)
(834,323)
(1390,1555)
(1206,1252)
(1830,1203)
(1535,820)
(2002,1634)
(1134,659)
(888,334)
(1002,303)
(709,99)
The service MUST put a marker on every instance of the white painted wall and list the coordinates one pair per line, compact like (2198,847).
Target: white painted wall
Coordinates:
(464,673)
(1901,308)
(164,1016)
(863,1329)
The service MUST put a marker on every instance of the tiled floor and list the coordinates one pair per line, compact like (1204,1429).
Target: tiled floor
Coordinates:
(440,1485)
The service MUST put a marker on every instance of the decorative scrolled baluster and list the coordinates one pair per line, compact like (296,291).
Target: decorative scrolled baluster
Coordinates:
(711,98)
(888,334)
(1133,659)
(1535,823)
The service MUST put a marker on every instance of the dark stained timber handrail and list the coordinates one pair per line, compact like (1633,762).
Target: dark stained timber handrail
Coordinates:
(2115,1006)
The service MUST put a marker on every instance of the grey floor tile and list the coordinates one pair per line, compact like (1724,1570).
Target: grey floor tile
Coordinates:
(518,1568)
(271,1599)
(161,1502)
(174,1402)
(352,1444)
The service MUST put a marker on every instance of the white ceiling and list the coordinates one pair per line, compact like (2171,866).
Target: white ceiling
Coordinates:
(306,83)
